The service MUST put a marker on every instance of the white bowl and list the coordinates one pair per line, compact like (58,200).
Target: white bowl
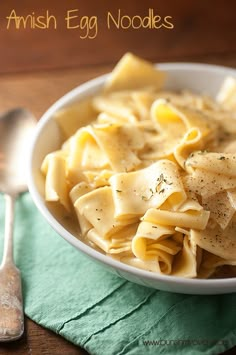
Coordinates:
(202,78)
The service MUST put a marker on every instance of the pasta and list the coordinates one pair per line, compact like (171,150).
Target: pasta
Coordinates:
(151,175)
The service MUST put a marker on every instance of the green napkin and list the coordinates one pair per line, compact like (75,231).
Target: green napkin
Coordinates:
(75,297)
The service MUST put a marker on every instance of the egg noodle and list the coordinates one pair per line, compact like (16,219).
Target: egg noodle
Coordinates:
(152,178)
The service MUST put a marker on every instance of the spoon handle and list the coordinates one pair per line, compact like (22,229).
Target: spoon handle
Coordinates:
(11,307)
(9,224)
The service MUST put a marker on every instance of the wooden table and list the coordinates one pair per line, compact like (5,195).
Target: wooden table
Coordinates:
(38,66)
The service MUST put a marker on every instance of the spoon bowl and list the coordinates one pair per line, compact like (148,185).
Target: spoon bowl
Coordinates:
(15,130)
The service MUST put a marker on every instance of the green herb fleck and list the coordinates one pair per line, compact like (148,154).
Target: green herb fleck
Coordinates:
(161,178)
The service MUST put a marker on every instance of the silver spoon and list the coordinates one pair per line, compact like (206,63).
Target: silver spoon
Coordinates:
(15,131)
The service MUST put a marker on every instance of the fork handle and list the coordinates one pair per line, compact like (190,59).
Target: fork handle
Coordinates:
(11,305)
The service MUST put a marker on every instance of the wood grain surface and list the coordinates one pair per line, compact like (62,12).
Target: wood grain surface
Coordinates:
(38,66)
(200,28)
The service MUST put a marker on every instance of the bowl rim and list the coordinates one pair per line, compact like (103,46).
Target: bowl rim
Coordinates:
(84,90)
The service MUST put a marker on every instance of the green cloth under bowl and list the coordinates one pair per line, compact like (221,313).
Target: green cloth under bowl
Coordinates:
(72,295)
